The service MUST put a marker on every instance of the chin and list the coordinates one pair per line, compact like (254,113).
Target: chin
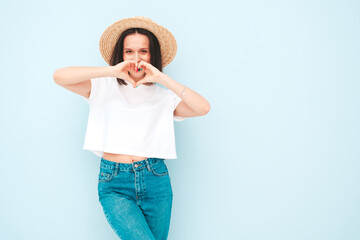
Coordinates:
(138,74)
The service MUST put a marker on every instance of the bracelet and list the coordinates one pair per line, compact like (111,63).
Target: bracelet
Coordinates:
(182,93)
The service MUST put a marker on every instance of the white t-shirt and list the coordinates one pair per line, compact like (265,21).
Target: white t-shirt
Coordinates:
(133,121)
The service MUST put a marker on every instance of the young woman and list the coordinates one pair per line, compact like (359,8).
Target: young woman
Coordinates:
(131,124)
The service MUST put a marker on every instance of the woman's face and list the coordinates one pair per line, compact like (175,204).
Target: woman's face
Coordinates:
(136,47)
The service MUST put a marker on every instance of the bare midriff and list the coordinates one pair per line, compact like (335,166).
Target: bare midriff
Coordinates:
(122,158)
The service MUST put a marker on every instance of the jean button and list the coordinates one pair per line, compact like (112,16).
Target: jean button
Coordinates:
(136,165)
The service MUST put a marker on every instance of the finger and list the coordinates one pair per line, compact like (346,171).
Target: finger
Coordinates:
(139,82)
(130,64)
(134,64)
(143,65)
(132,82)
(136,67)
(129,79)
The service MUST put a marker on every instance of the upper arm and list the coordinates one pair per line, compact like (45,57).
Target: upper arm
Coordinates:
(83,88)
(183,110)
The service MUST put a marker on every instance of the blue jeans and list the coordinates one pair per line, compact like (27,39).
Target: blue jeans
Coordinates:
(136,198)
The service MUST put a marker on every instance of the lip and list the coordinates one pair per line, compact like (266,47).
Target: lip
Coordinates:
(137,72)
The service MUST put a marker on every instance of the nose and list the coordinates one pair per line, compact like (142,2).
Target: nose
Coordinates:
(137,58)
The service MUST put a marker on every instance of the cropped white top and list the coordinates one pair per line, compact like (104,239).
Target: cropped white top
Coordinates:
(133,121)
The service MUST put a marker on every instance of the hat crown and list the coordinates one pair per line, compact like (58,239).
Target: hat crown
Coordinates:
(142,18)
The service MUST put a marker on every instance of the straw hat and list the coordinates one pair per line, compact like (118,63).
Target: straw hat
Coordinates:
(109,38)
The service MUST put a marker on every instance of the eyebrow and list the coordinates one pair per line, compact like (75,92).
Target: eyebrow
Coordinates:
(131,49)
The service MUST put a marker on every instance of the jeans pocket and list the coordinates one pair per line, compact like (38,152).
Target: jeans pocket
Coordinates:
(106,173)
(159,169)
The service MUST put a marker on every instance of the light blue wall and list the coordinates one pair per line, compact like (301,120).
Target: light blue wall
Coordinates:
(277,157)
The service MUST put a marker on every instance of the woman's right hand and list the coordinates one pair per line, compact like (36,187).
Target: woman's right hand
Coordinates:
(121,70)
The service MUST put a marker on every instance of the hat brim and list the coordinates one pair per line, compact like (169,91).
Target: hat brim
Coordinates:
(168,46)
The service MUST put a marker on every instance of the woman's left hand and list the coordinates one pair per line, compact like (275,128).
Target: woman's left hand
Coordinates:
(152,74)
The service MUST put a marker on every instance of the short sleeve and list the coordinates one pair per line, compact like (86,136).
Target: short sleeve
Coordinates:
(97,86)
(175,100)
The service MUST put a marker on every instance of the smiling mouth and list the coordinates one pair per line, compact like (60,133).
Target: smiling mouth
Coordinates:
(137,70)
(134,71)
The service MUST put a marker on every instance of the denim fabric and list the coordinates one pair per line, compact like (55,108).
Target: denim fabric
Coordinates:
(136,198)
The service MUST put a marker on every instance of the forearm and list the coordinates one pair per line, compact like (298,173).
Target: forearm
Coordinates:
(191,98)
(73,75)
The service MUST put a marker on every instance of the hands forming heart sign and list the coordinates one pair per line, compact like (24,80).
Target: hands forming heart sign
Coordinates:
(121,70)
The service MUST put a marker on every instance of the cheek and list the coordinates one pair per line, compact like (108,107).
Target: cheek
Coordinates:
(147,56)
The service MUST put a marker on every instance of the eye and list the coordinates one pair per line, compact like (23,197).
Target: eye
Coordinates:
(128,51)
(144,51)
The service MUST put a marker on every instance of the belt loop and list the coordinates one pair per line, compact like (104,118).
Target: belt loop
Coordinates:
(132,165)
(116,168)
(147,164)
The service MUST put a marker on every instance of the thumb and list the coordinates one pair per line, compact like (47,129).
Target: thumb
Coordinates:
(139,83)
(128,78)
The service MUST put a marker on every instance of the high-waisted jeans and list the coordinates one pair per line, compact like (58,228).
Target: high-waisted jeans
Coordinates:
(136,198)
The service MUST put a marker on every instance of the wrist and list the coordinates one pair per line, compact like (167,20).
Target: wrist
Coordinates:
(109,71)
(162,78)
